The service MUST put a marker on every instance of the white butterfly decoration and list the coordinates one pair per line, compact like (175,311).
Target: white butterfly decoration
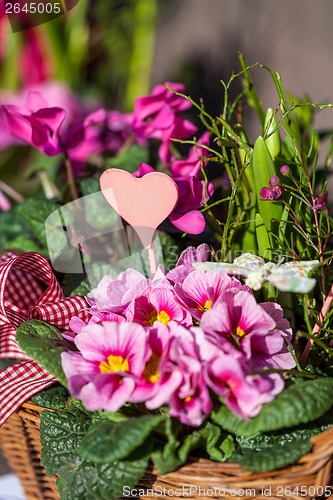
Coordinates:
(288,277)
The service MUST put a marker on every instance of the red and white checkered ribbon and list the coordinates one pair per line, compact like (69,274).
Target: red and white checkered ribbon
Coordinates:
(28,290)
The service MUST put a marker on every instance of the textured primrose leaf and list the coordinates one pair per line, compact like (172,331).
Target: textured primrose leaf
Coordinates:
(88,481)
(219,445)
(54,397)
(283,436)
(61,434)
(279,456)
(299,404)
(108,441)
(44,343)
(174,453)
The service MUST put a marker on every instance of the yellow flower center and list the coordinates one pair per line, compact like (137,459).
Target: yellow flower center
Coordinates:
(114,364)
(207,305)
(151,372)
(239,332)
(187,399)
(163,317)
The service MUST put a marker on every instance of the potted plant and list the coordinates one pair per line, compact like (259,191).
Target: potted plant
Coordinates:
(211,373)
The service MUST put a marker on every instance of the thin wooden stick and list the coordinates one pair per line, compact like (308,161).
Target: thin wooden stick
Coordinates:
(152,259)
(318,326)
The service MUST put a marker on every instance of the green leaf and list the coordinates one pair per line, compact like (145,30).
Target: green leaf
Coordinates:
(264,170)
(172,454)
(218,444)
(98,212)
(274,458)
(54,397)
(285,436)
(89,186)
(273,141)
(130,159)
(300,403)
(35,212)
(108,441)
(263,241)
(83,289)
(44,343)
(41,162)
(83,480)
(23,243)
(170,251)
(12,226)
(175,453)
(61,436)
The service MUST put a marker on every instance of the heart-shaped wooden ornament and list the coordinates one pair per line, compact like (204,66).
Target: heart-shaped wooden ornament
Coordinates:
(142,202)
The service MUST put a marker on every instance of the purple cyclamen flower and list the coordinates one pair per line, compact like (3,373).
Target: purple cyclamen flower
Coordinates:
(155,117)
(191,166)
(40,128)
(186,216)
(192,192)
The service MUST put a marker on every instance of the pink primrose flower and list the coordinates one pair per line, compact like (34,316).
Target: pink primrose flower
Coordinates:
(191,402)
(157,383)
(115,294)
(110,357)
(200,290)
(237,324)
(184,265)
(244,395)
(157,304)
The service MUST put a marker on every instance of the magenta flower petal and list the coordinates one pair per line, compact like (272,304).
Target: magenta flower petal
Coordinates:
(192,222)
(320,203)
(192,165)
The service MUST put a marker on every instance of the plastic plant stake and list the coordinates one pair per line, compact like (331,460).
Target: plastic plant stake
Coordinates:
(144,203)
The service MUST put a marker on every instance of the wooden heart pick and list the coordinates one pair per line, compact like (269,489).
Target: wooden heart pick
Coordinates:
(142,202)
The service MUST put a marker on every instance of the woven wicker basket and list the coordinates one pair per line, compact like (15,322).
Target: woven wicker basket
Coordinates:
(20,443)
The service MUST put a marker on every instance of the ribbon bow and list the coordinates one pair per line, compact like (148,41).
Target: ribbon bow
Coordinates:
(28,290)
